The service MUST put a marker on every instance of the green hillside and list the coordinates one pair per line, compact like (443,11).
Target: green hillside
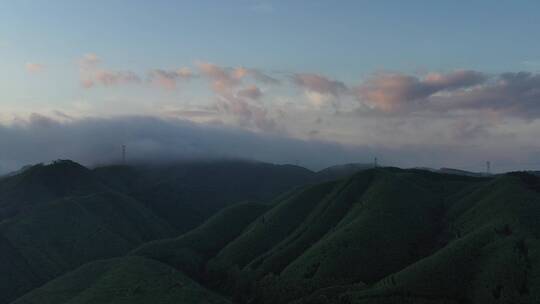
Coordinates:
(58,216)
(43,183)
(58,236)
(129,280)
(190,252)
(194,191)
(359,229)
(494,257)
(383,235)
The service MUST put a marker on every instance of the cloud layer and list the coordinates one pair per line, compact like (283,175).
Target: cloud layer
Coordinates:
(428,113)
(98,140)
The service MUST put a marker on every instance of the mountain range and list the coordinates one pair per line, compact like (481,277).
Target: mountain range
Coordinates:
(249,232)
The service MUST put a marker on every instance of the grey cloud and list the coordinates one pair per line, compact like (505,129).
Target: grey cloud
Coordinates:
(319,84)
(98,140)
(263,77)
(509,94)
(251,92)
(394,92)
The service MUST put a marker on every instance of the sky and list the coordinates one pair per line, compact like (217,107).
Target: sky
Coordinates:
(416,83)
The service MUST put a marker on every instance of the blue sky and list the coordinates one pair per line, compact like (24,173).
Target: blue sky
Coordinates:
(354,72)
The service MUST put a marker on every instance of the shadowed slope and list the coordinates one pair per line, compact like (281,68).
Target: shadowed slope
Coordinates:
(56,237)
(43,183)
(191,251)
(494,259)
(128,280)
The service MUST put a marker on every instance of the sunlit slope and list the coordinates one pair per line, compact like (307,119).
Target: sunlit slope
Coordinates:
(129,280)
(494,256)
(190,251)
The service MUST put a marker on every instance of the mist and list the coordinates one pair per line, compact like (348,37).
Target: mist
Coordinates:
(98,141)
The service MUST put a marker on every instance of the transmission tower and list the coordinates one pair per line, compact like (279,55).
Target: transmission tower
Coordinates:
(124,154)
(488,167)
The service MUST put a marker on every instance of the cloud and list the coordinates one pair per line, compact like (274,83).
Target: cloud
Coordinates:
(502,95)
(263,77)
(168,78)
(319,89)
(508,94)
(319,84)
(34,68)
(89,59)
(92,74)
(251,92)
(223,78)
(149,139)
(235,100)
(112,78)
(98,140)
(395,92)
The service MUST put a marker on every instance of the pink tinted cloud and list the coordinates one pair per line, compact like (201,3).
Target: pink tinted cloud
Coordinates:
(394,92)
(34,68)
(92,74)
(168,78)
(90,59)
(234,100)
(222,78)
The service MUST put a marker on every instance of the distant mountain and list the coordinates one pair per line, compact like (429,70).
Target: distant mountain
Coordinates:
(452,171)
(340,171)
(459,172)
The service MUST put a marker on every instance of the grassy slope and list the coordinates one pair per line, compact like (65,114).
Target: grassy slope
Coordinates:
(56,217)
(359,229)
(493,259)
(150,274)
(190,251)
(43,183)
(194,191)
(58,236)
(381,236)
(128,280)
(271,228)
